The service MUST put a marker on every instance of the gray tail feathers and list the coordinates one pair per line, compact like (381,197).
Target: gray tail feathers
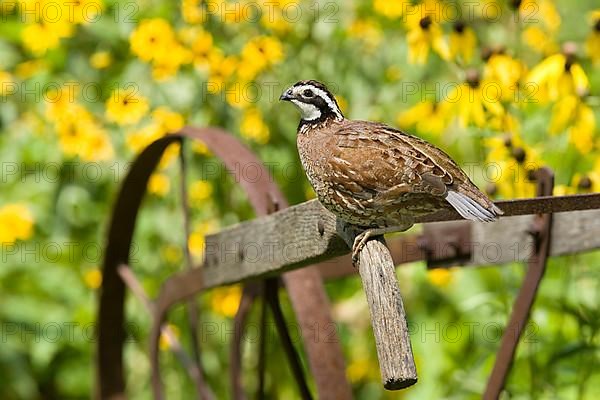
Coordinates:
(471,209)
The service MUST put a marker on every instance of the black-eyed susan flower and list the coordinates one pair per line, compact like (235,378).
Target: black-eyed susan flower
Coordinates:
(152,39)
(462,41)
(571,113)
(16,223)
(508,166)
(593,41)
(258,54)
(203,50)
(472,103)
(557,76)
(505,72)
(425,33)
(126,106)
(427,116)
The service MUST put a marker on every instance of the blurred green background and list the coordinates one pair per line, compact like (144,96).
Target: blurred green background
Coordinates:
(503,86)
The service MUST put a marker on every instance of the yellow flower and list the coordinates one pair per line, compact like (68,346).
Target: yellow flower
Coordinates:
(203,50)
(505,72)
(193,12)
(539,40)
(221,70)
(200,190)
(253,127)
(199,147)
(5,80)
(274,19)
(427,116)
(93,278)
(390,8)
(593,40)
(84,11)
(27,69)
(169,121)
(171,253)
(16,223)
(126,106)
(367,31)
(139,139)
(40,37)
(424,32)
(462,42)
(581,133)
(225,300)
(166,67)
(258,54)
(196,243)
(543,11)
(101,59)
(170,154)
(439,276)
(358,370)
(557,76)
(159,184)
(152,39)
(167,334)
(472,102)
(97,145)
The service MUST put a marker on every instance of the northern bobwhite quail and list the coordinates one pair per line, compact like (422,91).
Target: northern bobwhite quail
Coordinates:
(375,177)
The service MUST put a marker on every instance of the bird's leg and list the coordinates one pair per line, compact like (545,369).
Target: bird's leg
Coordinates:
(362,238)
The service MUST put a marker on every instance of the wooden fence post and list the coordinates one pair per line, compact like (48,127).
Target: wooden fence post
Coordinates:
(378,275)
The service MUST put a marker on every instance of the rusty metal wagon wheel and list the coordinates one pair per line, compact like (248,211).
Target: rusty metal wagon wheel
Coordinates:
(305,287)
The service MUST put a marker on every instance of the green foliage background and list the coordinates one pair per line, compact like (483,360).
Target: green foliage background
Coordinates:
(456,317)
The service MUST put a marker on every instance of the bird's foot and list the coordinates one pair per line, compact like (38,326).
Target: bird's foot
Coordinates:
(359,244)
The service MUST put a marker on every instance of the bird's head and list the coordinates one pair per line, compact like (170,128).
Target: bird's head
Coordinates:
(314,100)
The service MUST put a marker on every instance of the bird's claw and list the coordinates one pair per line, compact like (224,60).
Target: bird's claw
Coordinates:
(359,244)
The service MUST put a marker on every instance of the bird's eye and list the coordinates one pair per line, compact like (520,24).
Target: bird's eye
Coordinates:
(308,93)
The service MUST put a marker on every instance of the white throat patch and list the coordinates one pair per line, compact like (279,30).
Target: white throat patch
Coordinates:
(309,112)
(314,111)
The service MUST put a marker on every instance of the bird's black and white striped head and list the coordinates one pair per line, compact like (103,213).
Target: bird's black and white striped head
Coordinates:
(315,101)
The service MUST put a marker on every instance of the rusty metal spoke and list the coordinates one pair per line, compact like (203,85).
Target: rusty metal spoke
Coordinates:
(272,297)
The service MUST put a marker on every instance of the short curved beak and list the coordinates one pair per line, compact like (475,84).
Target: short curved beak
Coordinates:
(286,96)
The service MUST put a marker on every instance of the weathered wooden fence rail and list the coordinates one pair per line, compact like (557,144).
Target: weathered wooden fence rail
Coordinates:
(306,235)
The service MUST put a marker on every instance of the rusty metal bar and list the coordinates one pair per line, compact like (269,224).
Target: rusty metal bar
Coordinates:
(192,306)
(536,205)
(541,231)
(272,298)
(191,367)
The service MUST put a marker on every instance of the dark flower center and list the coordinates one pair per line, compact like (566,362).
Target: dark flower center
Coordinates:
(472,78)
(459,27)
(585,183)
(519,154)
(425,22)
(597,25)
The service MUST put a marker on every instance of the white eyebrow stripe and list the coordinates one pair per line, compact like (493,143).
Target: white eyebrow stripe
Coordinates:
(322,94)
